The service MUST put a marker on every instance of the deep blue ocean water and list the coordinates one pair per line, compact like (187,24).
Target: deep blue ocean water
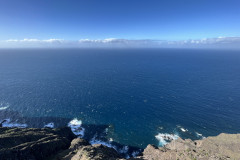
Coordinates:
(138,92)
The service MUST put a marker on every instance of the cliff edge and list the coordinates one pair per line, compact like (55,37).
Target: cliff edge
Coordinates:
(62,144)
(221,147)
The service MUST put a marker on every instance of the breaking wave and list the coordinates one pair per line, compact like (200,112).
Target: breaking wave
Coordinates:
(76,127)
(94,140)
(49,125)
(199,135)
(123,150)
(9,123)
(182,129)
(3,106)
(165,138)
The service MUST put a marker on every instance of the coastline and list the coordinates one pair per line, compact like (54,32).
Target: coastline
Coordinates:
(61,143)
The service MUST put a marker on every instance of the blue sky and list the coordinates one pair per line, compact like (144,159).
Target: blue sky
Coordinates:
(119,23)
(128,19)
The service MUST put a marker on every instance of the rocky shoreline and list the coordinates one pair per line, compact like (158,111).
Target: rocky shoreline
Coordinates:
(62,144)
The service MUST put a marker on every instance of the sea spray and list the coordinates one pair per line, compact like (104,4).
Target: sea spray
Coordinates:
(165,138)
(4,106)
(49,125)
(9,123)
(76,127)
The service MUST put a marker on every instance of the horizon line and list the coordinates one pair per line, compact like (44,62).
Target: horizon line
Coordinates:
(219,42)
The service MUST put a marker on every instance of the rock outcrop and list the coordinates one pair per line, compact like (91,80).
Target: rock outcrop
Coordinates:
(82,150)
(221,147)
(61,144)
(33,143)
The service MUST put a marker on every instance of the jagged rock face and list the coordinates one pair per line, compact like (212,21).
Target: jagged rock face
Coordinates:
(82,150)
(46,143)
(78,143)
(59,144)
(221,147)
(34,144)
(95,152)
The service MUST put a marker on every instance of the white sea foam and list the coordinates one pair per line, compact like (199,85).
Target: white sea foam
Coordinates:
(49,125)
(183,130)
(135,153)
(3,106)
(165,138)
(199,135)
(76,128)
(94,140)
(106,130)
(124,149)
(8,123)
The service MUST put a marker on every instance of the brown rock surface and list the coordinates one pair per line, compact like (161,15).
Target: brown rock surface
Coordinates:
(221,147)
(96,152)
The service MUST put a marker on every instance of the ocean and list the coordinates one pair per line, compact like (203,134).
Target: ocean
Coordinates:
(131,97)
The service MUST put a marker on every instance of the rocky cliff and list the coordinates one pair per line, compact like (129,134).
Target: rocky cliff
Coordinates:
(221,147)
(57,144)
(33,143)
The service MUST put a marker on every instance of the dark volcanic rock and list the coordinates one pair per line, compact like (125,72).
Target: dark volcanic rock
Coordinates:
(29,143)
(82,150)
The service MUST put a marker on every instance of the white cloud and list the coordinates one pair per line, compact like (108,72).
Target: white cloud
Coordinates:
(220,42)
(35,40)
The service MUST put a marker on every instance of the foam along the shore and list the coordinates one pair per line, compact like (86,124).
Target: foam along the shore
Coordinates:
(8,123)
(62,144)
(94,140)
(49,125)
(76,127)
(199,135)
(165,138)
(124,150)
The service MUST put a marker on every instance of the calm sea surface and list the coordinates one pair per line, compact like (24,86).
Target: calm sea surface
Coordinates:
(138,92)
